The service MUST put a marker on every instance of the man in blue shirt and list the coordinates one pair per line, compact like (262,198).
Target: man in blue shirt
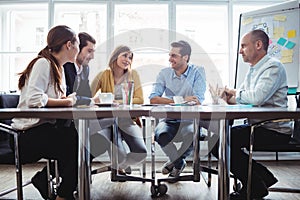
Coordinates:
(181,79)
(265,85)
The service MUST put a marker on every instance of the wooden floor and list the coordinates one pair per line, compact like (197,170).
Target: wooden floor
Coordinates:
(288,173)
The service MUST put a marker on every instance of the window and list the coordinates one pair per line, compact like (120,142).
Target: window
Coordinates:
(146,27)
(23,34)
(207,27)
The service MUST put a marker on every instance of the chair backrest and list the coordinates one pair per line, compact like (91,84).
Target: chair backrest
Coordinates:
(8,101)
(296,131)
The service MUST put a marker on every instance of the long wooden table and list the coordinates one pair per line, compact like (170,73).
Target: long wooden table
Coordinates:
(221,113)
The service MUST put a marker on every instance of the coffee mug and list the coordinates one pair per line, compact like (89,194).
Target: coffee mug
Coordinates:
(178,99)
(106,97)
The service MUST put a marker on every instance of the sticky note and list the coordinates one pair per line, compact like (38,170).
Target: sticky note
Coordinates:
(292,90)
(247,21)
(281,18)
(287,52)
(278,32)
(287,59)
(281,41)
(290,45)
(291,33)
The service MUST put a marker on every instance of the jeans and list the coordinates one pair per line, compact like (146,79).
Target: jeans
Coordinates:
(168,132)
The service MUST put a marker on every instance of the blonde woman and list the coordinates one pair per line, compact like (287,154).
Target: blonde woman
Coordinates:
(110,80)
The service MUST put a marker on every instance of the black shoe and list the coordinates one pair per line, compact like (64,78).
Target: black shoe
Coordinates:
(265,174)
(270,181)
(268,178)
(257,193)
(39,181)
(128,170)
(258,188)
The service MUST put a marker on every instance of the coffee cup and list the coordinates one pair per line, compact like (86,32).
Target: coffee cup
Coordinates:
(178,99)
(106,97)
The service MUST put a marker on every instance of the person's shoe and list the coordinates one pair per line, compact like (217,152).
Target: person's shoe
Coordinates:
(121,172)
(128,170)
(266,175)
(237,196)
(256,194)
(270,181)
(39,181)
(167,167)
(176,172)
(258,189)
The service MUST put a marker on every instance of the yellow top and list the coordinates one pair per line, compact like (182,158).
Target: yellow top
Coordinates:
(105,81)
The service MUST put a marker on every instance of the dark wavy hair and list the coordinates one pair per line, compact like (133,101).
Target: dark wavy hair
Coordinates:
(57,37)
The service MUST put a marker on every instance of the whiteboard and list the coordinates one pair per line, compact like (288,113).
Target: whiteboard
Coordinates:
(281,23)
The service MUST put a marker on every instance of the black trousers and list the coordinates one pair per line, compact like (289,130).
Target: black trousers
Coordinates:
(240,138)
(53,142)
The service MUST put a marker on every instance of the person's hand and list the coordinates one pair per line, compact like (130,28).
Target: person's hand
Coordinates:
(191,99)
(72,98)
(229,95)
(96,99)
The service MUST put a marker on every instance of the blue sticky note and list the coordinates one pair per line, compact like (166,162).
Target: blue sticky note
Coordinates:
(281,41)
(290,45)
(292,90)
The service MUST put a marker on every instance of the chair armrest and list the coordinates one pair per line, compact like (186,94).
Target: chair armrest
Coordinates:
(8,129)
(258,124)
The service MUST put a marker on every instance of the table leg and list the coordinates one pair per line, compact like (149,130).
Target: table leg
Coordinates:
(196,160)
(84,173)
(224,160)
(114,150)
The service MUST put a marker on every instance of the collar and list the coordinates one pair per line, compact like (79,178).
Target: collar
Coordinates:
(78,69)
(260,62)
(185,74)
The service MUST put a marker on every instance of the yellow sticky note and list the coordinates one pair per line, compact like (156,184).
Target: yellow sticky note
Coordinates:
(291,33)
(286,59)
(278,32)
(287,52)
(247,21)
(281,18)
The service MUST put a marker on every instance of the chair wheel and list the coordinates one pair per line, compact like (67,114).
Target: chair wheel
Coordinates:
(154,190)
(162,189)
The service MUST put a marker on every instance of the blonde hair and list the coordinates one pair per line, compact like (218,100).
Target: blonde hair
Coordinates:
(114,55)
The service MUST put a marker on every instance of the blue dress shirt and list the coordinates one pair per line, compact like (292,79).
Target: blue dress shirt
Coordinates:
(191,83)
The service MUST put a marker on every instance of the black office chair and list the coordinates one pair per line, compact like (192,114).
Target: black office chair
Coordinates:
(292,146)
(11,155)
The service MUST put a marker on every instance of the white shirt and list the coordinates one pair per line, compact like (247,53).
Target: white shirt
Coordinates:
(265,85)
(35,93)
